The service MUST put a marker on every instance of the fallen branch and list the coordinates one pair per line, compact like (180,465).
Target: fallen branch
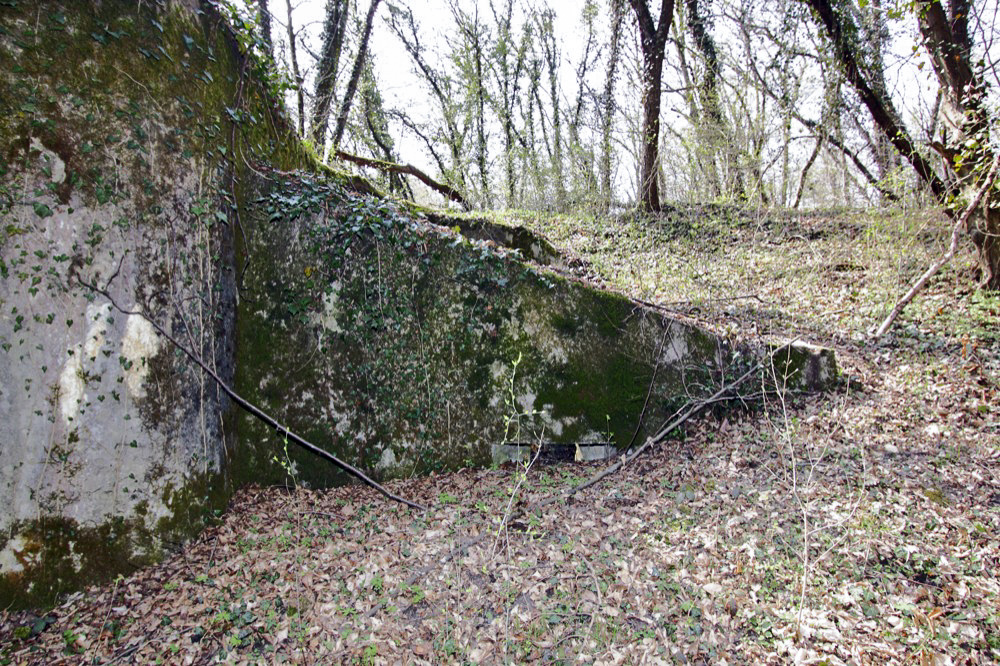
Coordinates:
(683,415)
(680,417)
(956,232)
(410,170)
(252,409)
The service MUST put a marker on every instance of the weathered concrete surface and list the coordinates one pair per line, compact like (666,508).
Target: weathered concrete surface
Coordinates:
(414,348)
(140,154)
(118,123)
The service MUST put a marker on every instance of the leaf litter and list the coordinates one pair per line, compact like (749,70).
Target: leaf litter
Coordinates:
(855,527)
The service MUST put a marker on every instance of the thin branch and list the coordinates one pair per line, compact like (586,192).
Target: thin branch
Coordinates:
(682,417)
(252,409)
(956,231)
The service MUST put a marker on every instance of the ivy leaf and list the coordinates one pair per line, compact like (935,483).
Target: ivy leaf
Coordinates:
(41,210)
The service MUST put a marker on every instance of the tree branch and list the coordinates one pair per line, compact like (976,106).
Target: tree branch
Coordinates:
(409,169)
(252,409)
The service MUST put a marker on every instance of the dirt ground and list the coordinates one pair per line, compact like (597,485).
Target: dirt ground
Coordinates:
(858,526)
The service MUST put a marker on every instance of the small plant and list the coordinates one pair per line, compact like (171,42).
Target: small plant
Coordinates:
(70,638)
(447,498)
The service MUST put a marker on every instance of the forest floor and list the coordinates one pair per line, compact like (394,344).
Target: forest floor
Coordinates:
(858,526)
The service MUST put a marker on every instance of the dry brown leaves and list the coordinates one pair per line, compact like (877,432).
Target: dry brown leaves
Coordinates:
(857,527)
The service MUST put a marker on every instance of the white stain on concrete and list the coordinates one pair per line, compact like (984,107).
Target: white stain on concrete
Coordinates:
(71,384)
(138,346)
(388,459)
(527,402)
(9,556)
(97,315)
(675,349)
(328,317)
(56,166)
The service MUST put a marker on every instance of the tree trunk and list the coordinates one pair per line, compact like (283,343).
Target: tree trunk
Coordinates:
(352,84)
(608,102)
(551,52)
(713,130)
(265,27)
(653,40)
(300,96)
(334,32)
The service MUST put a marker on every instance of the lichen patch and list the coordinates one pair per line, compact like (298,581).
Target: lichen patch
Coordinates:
(12,554)
(55,164)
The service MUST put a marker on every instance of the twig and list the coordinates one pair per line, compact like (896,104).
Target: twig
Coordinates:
(956,232)
(255,411)
(685,413)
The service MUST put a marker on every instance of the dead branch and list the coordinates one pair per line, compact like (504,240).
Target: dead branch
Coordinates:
(252,409)
(410,170)
(956,231)
(679,419)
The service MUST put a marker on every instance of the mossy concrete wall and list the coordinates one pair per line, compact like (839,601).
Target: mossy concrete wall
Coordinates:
(125,134)
(140,153)
(404,346)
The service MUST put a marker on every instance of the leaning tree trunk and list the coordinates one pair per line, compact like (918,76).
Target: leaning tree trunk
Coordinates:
(962,114)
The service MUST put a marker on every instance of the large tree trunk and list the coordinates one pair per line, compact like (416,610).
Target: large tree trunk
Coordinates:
(653,40)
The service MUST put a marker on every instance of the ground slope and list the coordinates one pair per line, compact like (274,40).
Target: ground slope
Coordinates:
(855,527)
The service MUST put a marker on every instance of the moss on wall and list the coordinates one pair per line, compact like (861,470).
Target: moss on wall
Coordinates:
(403,337)
(129,135)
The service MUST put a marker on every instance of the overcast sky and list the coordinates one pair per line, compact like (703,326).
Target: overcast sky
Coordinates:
(401,89)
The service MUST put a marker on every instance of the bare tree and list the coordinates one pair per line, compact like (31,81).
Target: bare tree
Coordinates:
(293,54)
(327,65)
(403,25)
(608,100)
(508,62)
(352,83)
(653,40)
(550,54)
